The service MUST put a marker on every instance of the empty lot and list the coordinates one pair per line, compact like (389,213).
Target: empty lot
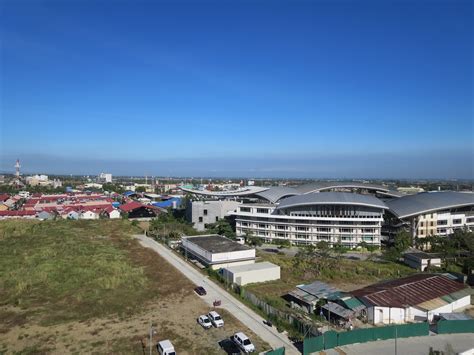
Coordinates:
(87,286)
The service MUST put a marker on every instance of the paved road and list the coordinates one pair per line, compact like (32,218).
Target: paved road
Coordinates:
(409,346)
(214,292)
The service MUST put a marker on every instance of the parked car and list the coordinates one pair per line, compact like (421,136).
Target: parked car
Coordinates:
(216,319)
(243,342)
(204,321)
(229,347)
(200,291)
(165,348)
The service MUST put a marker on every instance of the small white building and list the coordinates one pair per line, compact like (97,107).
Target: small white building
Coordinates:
(114,213)
(216,251)
(420,260)
(89,215)
(251,273)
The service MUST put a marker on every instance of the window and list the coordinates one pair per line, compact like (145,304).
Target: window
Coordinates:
(217,218)
(200,219)
(422,224)
(205,212)
(443,222)
(431,224)
(262,210)
(457,221)
(244,209)
(421,232)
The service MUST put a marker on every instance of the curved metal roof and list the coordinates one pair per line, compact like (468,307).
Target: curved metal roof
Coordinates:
(328,185)
(332,198)
(249,190)
(426,202)
(273,194)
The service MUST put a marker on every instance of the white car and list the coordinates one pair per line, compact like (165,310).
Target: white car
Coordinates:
(165,348)
(204,321)
(216,319)
(243,342)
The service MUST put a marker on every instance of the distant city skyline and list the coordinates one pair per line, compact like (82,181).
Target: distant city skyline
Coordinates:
(309,89)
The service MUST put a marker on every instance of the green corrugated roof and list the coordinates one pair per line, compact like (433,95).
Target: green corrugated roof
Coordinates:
(353,303)
(461,293)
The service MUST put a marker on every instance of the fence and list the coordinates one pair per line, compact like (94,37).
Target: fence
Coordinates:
(455,326)
(306,328)
(279,351)
(332,339)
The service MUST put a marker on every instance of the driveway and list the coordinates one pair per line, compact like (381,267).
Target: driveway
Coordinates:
(215,292)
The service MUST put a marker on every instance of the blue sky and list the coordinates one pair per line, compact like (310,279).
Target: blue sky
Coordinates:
(239,88)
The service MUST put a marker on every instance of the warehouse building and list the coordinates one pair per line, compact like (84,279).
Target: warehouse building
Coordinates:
(216,251)
(251,273)
(419,297)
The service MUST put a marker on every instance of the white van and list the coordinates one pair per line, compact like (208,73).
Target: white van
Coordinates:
(165,348)
(216,319)
(243,342)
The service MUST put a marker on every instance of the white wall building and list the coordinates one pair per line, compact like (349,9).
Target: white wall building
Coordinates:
(334,217)
(201,213)
(89,215)
(414,298)
(251,273)
(421,260)
(216,251)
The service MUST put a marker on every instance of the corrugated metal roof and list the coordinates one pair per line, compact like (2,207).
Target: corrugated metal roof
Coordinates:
(455,316)
(409,291)
(353,303)
(332,198)
(339,310)
(304,296)
(432,304)
(321,290)
(425,202)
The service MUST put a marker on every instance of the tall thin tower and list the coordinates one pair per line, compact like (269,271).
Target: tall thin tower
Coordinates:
(17,168)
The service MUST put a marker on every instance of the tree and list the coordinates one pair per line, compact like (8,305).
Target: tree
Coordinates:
(221,227)
(339,249)
(140,189)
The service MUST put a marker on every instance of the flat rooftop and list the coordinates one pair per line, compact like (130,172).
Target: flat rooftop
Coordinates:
(252,267)
(215,243)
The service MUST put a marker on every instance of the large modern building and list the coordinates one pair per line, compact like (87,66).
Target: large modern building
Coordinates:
(216,251)
(433,213)
(335,217)
(201,213)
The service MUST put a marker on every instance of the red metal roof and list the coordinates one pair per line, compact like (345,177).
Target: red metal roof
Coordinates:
(4,197)
(408,291)
(130,206)
(17,213)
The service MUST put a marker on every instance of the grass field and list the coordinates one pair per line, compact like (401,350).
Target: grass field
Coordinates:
(345,274)
(88,287)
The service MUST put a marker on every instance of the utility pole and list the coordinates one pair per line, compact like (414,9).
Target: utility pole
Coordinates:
(396,335)
(152,332)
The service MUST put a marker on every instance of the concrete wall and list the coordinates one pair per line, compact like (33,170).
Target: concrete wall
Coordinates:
(386,315)
(201,213)
(251,276)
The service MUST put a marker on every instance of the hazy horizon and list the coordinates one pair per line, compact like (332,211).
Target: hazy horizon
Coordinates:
(316,89)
